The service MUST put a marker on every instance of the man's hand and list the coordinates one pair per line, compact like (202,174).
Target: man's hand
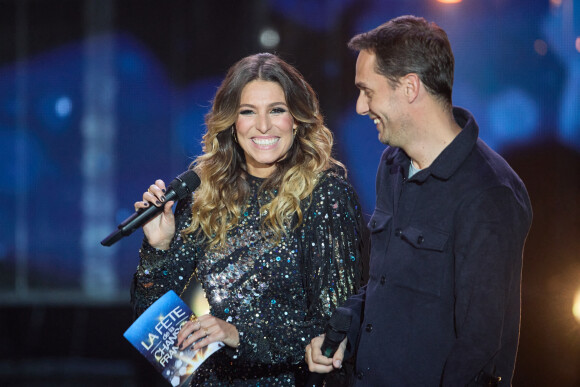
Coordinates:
(319,363)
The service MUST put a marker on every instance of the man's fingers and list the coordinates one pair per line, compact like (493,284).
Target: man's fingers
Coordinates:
(316,361)
(339,354)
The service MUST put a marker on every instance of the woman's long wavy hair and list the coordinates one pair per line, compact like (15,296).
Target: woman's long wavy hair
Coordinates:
(223,192)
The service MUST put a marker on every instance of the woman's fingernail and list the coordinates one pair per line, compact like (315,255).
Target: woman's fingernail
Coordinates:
(157,202)
(163,190)
(146,204)
(163,198)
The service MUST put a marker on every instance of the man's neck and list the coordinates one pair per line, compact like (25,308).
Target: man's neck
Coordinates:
(434,132)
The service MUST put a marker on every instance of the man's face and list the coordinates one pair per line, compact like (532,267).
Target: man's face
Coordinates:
(378,100)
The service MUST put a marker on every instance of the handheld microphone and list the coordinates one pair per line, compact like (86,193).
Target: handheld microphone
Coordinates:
(179,188)
(335,332)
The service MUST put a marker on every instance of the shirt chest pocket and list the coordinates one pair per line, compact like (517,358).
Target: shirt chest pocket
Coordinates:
(425,238)
(423,260)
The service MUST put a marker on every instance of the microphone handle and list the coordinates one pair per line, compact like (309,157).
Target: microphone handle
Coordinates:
(132,223)
(181,186)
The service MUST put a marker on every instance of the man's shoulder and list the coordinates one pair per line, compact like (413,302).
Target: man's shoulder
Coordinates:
(493,166)
(488,171)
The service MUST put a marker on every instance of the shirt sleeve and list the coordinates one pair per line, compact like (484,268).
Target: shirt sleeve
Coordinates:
(159,271)
(489,238)
(356,306)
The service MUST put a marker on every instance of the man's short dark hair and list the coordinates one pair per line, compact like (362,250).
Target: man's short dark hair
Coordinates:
(410,44)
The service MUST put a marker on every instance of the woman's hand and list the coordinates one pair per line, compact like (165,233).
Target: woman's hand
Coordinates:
(160,229)
(210,329)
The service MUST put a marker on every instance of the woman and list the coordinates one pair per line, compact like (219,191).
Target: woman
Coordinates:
(273,232)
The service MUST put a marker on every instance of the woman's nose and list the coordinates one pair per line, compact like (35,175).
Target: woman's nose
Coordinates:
(263,123)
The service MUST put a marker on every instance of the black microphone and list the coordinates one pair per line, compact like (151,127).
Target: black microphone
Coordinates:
(179,188)
(335,332)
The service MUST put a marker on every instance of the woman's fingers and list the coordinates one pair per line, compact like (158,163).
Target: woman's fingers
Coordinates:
(167,210)
(191,332)
(142,204)
(155,195)
(161,185)
(204,330)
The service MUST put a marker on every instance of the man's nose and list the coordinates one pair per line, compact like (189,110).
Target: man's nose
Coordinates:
(362,106)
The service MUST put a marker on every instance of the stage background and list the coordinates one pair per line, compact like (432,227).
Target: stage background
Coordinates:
(98,98)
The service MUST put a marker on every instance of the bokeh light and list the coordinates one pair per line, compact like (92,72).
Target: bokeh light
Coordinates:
(576,307)
(269,38)
(541,47)
(63,106)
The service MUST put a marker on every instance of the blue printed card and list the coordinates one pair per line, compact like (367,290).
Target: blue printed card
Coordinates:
(154,334)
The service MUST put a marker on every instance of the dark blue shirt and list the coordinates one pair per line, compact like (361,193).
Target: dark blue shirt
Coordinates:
(443,298)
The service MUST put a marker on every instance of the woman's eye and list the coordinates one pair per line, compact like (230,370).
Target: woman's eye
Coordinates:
(246,112)
(278,110)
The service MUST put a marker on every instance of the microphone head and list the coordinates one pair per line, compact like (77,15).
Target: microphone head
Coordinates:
(185,183)
(336,331)
(340,320)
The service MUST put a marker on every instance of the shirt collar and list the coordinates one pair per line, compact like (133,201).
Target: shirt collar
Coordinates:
(452,156)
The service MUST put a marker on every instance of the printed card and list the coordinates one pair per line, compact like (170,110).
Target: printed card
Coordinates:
(154,334)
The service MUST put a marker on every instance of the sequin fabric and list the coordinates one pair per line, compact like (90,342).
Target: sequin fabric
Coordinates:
(279,296)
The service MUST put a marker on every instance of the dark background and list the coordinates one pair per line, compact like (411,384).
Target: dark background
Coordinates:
(98,98)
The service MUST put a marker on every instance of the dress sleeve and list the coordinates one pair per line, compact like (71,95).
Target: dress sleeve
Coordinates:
(162,270)
(488,260)
(330,253)
(331,248)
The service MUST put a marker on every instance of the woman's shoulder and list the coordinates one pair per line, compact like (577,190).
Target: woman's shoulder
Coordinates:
(333,182)
(333,177)
(332,197)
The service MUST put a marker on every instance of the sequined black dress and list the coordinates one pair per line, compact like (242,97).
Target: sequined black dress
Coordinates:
(278,296)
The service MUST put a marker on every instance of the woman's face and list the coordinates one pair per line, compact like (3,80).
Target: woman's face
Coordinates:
(264,126)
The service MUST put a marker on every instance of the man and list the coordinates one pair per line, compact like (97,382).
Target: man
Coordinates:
(442,304)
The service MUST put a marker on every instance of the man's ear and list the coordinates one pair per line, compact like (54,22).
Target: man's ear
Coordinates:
(412,85)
